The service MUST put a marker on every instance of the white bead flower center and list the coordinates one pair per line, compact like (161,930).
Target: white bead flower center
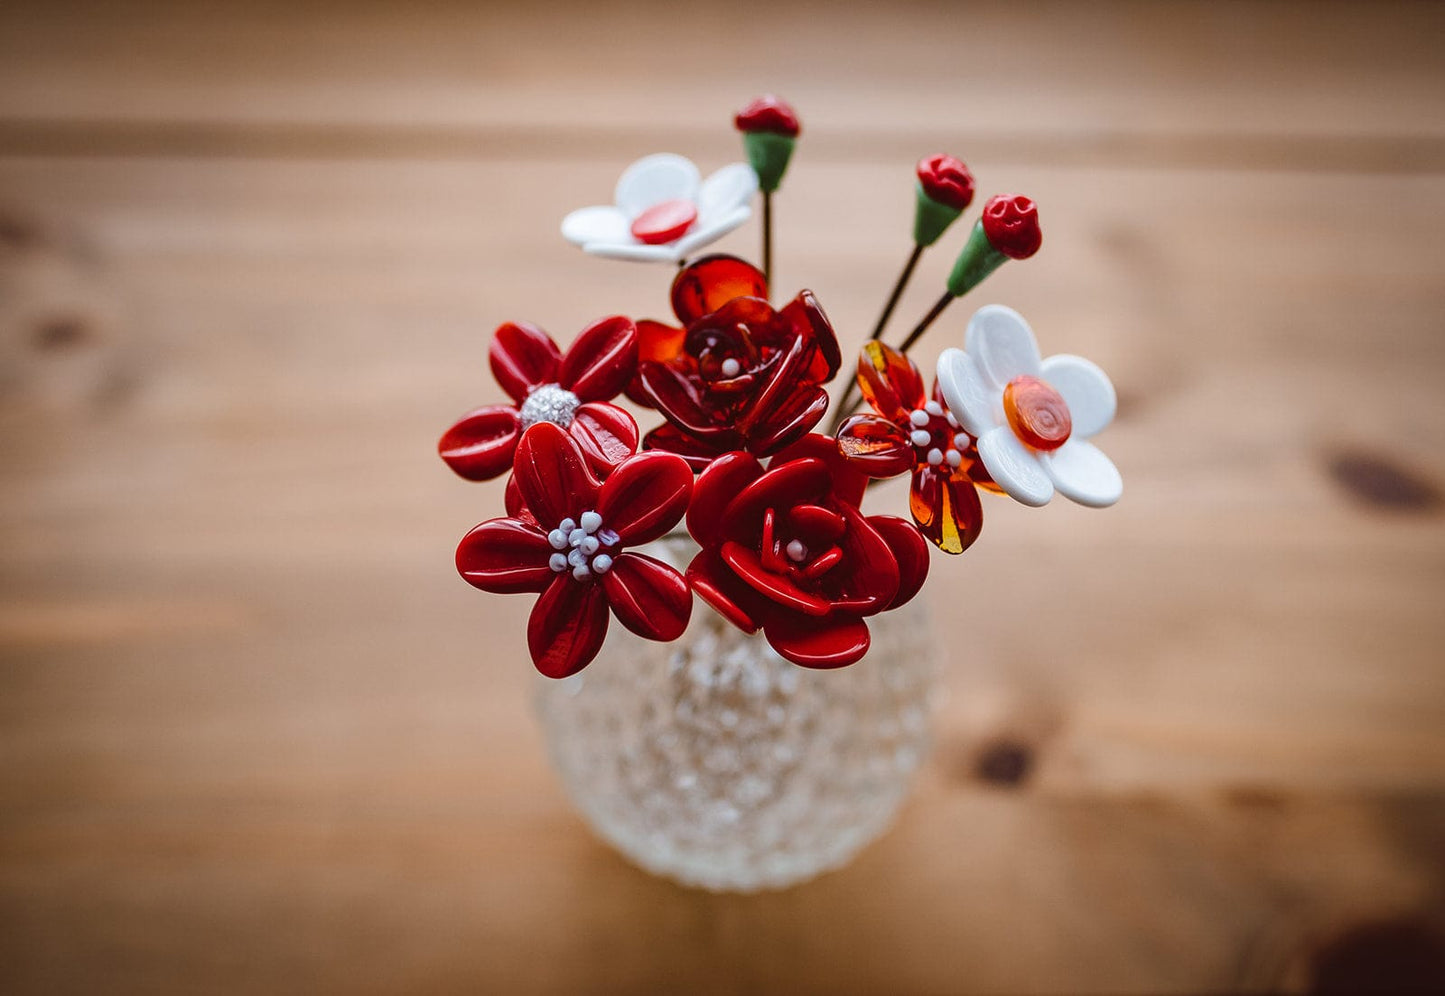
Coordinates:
(579,544)
(936,436)
(549,403)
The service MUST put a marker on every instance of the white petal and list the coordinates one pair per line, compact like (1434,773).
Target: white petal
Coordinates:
(1086,390)
(654,179)
(596,224)
(729,188)
(709,231)
(976,403)
(1002,343)
(634,251)
(1082,472)
(1014,467)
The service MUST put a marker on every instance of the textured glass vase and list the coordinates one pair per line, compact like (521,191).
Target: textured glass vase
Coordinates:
(715,762)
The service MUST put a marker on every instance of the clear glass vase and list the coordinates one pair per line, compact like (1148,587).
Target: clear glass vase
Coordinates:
(714,762)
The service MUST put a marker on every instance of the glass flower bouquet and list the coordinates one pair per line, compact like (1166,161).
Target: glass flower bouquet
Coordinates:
(599,516)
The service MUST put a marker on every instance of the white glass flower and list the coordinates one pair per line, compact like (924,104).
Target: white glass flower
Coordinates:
(664,211)
(1031,417)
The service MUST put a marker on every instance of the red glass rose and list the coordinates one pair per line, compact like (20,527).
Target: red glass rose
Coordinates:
(910,432)
(1011,223)
(571,547)
(946,180)
(568,390)
(787,551)
(739,376)
(768,113)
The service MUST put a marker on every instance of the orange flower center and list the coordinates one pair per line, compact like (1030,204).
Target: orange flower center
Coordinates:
(1037,413)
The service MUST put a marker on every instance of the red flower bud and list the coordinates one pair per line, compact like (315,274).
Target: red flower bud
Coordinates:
(770,114)
(1011,223)
(946,180)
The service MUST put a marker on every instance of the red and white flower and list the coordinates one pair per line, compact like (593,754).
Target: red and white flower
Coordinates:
(571,548)
(568,390)
(1031,417)
(664,211)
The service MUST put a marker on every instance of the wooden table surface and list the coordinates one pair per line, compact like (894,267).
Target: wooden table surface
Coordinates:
(256,736)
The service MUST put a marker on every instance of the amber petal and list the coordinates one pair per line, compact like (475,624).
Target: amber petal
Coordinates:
(946,508)
(725,477)
(876,446)
(909,548)
(836,641)
(522,357)
(505,556)
(602,359)
(707,284)
(606,434)
(567,626)
(645,497)
(890,381)
(793,418)
(552,475)
(648,597)
(480,446)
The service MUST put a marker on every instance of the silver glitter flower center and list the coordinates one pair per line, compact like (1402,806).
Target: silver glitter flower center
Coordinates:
(549,403)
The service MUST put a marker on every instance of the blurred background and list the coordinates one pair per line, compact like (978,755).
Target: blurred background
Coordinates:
(256,735)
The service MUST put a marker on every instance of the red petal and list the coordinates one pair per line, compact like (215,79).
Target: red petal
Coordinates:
(515,504)
(797,482)
(522,357)
(890,381)
(723,480)
(836,641)
(808,319)
(876,446)
(505,556)
(706,285)
(746,564)
(601,360)
(645,496)
(669,438)
(567,626)
(552,476)
(789,421)
(673,394)
(816,526)
(719,587)
(656,343)
(648,597)
(868,576)
(909,548)
(946,508)
(849,483)
(480,446)
(606,434)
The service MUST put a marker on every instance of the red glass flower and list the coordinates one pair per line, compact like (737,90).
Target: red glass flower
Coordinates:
(739,375)
(910,432)
(946,180)
(770,114)
(571,548)
(569,390)
(1011,223)
(787,551)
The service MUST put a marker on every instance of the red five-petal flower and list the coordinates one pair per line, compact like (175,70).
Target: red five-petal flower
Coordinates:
(787,551)
(546,385)
(571,547)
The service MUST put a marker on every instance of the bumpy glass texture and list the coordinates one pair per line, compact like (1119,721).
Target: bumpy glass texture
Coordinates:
(713,761)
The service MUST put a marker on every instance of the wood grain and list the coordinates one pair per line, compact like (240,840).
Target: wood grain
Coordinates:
(257,737)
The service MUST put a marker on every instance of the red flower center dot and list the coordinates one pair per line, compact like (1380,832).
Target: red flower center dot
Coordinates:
(1037,413)
(664,222)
